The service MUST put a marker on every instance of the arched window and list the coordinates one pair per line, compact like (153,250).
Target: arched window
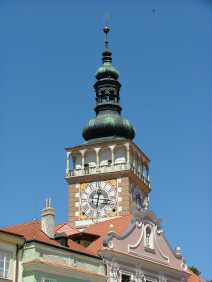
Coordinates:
(120,155)
(77,161)
(135,166)
(90,158)
(105,157)
(144,171)
(139,169)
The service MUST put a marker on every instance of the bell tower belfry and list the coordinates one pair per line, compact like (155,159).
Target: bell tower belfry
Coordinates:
(108,175)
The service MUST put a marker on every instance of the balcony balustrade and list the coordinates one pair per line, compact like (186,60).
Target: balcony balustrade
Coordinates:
(105,169)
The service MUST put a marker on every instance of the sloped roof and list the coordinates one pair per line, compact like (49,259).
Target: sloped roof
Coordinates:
(120,224)
(66,228)
(194,278)
(32,232)
(10,233)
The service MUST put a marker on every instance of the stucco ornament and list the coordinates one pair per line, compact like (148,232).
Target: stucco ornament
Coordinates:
(162,278)
(140,276)
(178,252)
(114,272)
(184,265)
(110,243)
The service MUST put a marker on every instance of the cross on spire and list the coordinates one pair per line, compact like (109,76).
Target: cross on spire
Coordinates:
(106,30)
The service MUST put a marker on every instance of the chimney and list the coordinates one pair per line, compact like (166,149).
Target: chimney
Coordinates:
(48,219)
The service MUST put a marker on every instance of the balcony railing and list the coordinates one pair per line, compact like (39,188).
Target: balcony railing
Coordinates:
(106,169)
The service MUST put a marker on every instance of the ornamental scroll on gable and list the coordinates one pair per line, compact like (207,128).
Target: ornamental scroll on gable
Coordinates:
(144,239)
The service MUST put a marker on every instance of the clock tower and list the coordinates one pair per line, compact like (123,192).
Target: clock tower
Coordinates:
(108,175)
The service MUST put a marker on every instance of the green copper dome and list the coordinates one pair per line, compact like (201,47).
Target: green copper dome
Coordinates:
(107,70)
(108,124)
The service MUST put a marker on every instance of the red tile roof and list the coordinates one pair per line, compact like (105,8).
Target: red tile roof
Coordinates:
(10,233)
(66,228)
(32,231)
(120,224)
(194,278)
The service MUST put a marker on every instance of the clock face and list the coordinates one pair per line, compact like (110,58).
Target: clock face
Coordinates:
(98,199)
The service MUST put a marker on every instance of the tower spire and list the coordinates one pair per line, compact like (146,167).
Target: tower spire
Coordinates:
(106,55)
(108,121)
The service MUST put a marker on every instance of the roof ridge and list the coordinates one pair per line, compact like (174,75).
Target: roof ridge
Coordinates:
(107,220)
(20,224)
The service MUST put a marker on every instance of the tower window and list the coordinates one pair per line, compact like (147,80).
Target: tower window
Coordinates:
(105,156)
(120,155)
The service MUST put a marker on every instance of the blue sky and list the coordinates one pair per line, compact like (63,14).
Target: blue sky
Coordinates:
(49,52)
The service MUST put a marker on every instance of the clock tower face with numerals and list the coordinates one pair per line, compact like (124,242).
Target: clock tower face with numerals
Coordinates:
(98,200)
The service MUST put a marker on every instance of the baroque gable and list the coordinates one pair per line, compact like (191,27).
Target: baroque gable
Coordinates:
(143,245)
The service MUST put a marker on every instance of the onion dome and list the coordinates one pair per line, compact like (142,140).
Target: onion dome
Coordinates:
(108,121)
(108,124)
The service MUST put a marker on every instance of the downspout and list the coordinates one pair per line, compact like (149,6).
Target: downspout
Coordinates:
(18,248)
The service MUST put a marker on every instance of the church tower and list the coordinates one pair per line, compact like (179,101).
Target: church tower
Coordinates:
(108,175)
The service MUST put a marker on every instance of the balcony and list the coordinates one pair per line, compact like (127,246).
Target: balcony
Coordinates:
(107,169)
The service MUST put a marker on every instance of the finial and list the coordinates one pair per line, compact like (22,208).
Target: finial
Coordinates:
(106,30)
(106,55)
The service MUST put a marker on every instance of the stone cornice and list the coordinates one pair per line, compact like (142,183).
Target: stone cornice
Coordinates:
(146,262)
(63,270)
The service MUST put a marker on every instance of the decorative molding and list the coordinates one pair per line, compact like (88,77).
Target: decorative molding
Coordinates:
(158,247)
(162,278)
(134,246)
(140,277)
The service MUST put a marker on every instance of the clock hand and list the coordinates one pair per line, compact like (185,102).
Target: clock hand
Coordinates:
(98,195)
